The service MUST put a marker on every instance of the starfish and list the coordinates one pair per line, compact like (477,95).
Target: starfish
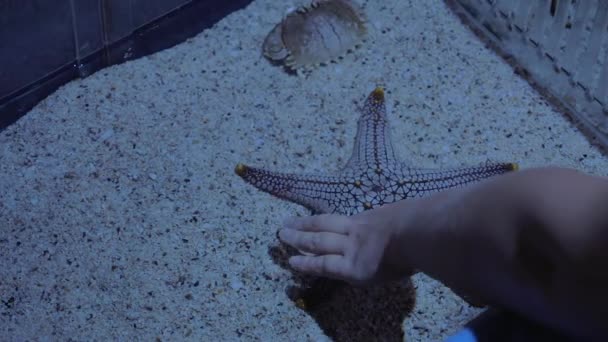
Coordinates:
(373,176)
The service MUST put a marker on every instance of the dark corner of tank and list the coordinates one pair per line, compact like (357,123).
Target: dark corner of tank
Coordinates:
(45,44)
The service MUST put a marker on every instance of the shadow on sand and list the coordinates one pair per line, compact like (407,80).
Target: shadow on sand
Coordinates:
(349,313)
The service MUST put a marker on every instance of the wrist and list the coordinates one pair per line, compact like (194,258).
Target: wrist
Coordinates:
(411,225)
(424,237)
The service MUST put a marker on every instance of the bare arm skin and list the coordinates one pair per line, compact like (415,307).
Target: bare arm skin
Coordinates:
(533,241)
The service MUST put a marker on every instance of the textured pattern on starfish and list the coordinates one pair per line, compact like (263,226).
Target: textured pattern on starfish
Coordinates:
(373,176)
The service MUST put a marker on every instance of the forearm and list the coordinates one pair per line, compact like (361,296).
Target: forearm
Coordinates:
(524,241)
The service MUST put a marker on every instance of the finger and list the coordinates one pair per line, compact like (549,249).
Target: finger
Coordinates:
(331,266)
(319,223)
(314,242)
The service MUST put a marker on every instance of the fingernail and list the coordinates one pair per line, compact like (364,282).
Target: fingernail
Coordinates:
(289,222)
(294,262)
(283,234)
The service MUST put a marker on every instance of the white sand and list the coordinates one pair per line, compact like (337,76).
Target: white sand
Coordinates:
(120,214)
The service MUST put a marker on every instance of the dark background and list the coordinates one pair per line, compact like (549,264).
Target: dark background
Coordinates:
(44,44)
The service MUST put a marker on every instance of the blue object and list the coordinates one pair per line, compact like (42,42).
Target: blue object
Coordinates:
(464,335)
(503,326)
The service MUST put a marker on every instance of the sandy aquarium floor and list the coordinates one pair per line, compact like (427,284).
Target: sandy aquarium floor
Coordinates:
(121,217)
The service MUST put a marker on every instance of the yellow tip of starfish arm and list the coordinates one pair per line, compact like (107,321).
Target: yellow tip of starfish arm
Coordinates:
(240,169)
(514,166)
(301,303)
(378,94)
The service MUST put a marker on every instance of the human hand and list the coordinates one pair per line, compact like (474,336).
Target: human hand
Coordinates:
(350,248)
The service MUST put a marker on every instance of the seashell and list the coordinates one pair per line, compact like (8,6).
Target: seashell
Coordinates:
(319,33)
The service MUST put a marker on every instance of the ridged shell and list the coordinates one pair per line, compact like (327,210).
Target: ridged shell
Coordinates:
(315,34)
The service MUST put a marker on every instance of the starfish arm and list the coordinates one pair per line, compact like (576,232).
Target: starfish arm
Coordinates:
(319,193)
(372,177)
(422,182)
(373,146)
